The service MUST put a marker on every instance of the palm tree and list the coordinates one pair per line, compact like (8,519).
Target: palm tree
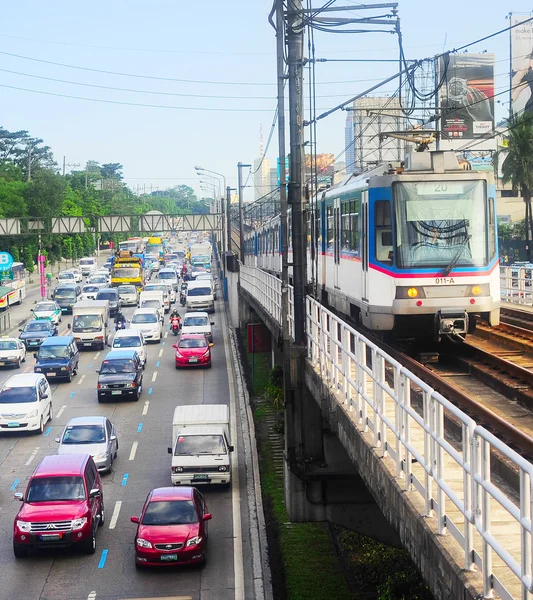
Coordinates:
(517,167)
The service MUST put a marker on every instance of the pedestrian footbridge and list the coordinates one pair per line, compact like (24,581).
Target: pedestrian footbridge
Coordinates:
(429,468)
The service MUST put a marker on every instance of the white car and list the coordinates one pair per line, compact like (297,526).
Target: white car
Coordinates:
(25,403)
(169,295)
(198,322)
(128,294)
(77,274)
(66,277)
(94,279)
(147,320)
(89,290)
(131,338)
(12,352)
(102,271)
(47,310)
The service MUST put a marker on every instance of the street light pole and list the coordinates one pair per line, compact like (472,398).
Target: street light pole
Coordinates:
(241,211)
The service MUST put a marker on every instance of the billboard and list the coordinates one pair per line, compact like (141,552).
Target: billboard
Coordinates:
(522,64)
(467,100)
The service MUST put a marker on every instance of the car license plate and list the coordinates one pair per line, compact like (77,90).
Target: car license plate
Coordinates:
(87,343)
(200,477)
(193,360)
(116,392)
(169,557)
(33,343)
(13,424)
(49,537)
(51,374)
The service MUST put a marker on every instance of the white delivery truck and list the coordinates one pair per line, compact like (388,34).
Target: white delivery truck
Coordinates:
(153,299)
(90,323)
(201,445)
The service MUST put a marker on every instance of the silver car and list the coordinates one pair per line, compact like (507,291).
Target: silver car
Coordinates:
(128,294)
(90,435)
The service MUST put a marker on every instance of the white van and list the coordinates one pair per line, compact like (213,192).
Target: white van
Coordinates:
(150,287)
(169,277)
(87,265)
(198,322)
(153,299)
(200,296)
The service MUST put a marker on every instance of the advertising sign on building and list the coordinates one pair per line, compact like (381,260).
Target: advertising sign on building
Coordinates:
(467,100)
(522,64)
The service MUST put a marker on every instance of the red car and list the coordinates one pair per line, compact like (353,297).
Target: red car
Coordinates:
(192,350)
(63,506)
(172,528)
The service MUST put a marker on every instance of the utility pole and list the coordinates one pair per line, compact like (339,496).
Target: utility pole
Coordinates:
(64,164)
(241,211)
(30,150)
(228,216)
(295,38)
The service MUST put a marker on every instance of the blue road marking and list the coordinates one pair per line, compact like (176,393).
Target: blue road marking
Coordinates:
(149,391)
(48,431)
(103,558)
(72,394)
(158,363)
(140,428)
(163,343)
(14,485)
(90,366)
(125,479)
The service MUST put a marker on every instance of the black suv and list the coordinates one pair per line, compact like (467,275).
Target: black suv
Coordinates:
(110,294)
(120,376)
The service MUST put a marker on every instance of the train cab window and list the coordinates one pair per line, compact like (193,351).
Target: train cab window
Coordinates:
(330,230)
(383,231)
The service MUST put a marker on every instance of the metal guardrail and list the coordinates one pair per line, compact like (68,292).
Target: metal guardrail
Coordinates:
(377,391)
(515,285)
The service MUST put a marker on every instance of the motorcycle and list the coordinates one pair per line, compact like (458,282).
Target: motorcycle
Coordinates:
(183,299)
(120,325)
(175,325)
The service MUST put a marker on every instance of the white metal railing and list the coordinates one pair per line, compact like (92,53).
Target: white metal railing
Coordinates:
(405,417)
(515,284)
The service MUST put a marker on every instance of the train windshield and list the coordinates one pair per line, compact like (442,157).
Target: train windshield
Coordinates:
(442,224)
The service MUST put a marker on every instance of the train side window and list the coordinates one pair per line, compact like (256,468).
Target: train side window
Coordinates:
(492,230)
(330,232)
(345,226)
(383,231)
(354,226)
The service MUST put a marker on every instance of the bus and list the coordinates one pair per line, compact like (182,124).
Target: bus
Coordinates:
(156,246)
(12,286)
(134,244)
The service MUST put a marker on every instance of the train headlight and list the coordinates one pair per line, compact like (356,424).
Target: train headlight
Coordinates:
(479,289)
(406,293)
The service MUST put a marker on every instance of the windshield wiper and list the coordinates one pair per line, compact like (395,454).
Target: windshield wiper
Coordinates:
(457,256)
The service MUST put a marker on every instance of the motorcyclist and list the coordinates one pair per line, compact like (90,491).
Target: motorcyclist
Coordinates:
(174,315)
(120,320)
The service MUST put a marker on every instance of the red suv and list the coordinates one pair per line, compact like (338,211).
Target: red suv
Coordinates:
(63,505)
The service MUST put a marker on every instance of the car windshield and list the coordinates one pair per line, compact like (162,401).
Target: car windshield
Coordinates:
(199,291)
(174,512)
(195,322)
(126,289)
(37,326)
(189,445)
(90,288)
(87,261)
(55,489)
(157,287)
(154,303)
(99,279)
(66,275)
(5,345)
(117,365)
(113,296)
(131,341)
(15,395)
(144,318)
(53,352)
(192,343)
(45,307)
(84,434)
(167,275)
(87,322)
(124,272)
(69,294)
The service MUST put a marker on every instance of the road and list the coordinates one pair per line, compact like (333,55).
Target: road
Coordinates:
(144,431)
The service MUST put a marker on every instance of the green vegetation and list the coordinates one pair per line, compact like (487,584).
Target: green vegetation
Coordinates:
(32,186)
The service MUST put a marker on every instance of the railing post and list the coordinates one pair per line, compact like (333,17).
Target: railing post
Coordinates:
(486,519)
(467,491)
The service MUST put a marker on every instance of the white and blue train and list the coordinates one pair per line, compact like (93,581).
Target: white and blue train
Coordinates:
(410,250)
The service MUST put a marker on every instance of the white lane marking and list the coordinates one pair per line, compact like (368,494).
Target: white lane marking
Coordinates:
(91,596)
(114,517)
(238,565)
(32,456)
(154,376)
(61,411)
(166,334)
(146,405)
(96,356)
(81,379)
(161,352)
(133,450)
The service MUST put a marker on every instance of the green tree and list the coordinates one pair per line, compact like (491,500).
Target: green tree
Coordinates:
(517,166)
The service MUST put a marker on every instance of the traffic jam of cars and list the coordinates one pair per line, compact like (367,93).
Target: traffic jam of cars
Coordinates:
(62,502)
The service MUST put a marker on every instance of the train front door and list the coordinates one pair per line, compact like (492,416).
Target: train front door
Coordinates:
(364,247)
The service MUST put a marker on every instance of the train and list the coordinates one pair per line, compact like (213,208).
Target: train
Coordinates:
(409,250)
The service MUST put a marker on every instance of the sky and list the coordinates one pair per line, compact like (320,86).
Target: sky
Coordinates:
(208,70)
